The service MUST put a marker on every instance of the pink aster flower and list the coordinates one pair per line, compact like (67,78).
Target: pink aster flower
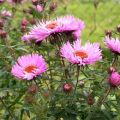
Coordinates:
(6,13)
(113,44)
(29,66)
(82,55)
(59,25)
(114,79)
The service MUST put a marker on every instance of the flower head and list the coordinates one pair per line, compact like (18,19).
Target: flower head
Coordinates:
(82,55)
(6,13)
(113,44)
(114,79)
(29,66)
(59,25)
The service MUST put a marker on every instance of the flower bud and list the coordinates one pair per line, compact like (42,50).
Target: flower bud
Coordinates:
(67,87)
(108,33)
(1,23)
(29,99)
(3,34)
(114,79)
(53,6)
(24,22)
(32,89)
(81,83)
(23,29)
(118,28)
(111,69)
(46,93)
(90,100)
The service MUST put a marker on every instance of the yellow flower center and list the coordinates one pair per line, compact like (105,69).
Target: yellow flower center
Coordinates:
(30,68)
(51,25)
(81,54)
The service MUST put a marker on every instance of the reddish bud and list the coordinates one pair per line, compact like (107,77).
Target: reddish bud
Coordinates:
(32,89)
(23,29)
(90,100)
(3,34)
(24,22)
(67,87)
(1,23)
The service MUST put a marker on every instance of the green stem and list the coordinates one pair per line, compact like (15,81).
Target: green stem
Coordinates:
(7,108)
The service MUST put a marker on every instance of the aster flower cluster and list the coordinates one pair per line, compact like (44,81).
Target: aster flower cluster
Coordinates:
(48,71)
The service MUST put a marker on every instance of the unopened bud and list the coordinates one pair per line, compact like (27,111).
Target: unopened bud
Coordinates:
(108,33)
(67,87)
(90,100)
(3,34)
(32,89)
(118,28)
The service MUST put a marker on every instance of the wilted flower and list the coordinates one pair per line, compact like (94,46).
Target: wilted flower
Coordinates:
(113,44)
(6,13)
(114,79)
(29,66)
(81,55)
(59,25)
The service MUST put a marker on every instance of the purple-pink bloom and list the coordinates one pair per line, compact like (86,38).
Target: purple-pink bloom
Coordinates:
(81,55)
(29,66)
(38,8)
(113,44)
(6,13)
(61,24)
(114,79)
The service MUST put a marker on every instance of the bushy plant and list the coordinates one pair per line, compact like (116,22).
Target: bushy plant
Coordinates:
(47,73)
